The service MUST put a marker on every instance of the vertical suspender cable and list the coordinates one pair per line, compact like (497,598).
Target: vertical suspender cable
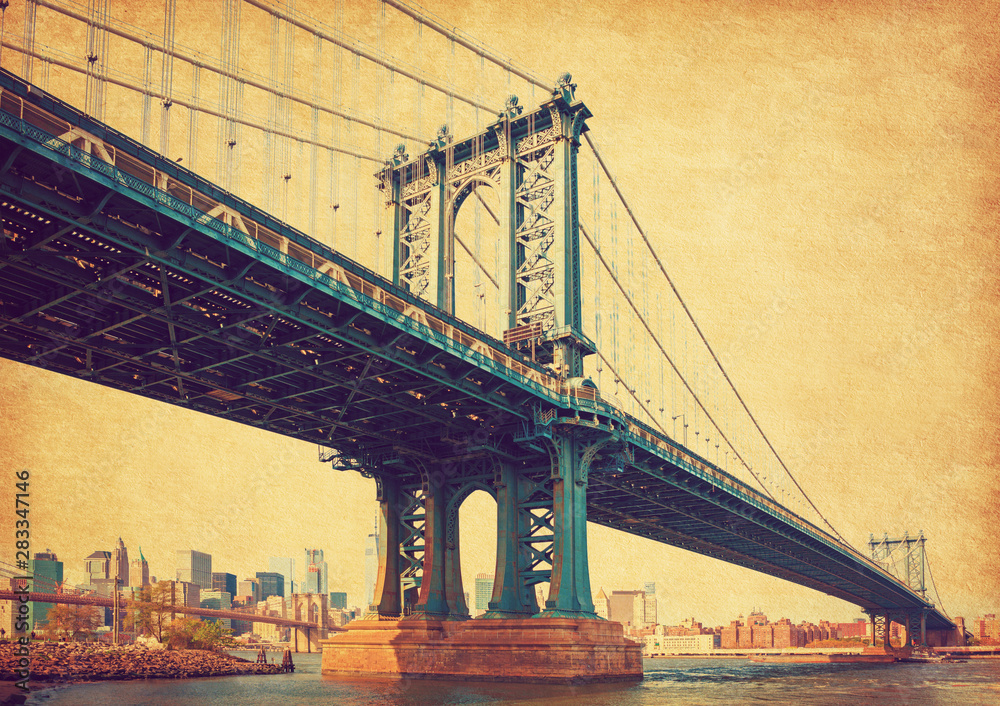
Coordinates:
(314,133)
(147,96)
(337,101)
(694,323)
(193,118)
(167,74)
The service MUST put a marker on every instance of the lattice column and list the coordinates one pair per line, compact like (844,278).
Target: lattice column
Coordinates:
(415,193)
(411,544)
(446,486)
(524,541)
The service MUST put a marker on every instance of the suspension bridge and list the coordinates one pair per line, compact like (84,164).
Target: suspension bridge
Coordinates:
(444,309)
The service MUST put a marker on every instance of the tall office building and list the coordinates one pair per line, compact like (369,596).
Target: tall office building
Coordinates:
(602,606)
(484,592)
(371,566)
(338,599)
(47,575)
(217,600)
(249,588)
(650,588)
(185,593)
(194,567)
(316,572)
(224,582)
(271,584)
(119,564)
(138,572)
(286,567)
(97,566)
(632,608)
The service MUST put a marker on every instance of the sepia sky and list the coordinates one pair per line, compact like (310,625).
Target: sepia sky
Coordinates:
(822,183)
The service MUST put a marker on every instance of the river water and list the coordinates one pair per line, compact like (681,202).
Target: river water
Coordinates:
(667,681)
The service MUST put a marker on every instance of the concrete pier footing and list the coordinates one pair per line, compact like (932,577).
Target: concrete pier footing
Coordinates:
(537,650)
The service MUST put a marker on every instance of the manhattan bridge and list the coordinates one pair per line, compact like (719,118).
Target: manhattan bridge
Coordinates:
(425,266)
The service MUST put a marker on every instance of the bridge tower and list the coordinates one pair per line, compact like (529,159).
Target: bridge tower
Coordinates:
(909,552)
(529,160)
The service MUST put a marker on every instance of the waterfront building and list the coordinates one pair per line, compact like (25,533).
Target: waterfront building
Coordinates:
(194,567)
(632,608)
(317,574)
(222,581)
(284,565)
(271,584)
(679,644)
(484,592)
(730,636)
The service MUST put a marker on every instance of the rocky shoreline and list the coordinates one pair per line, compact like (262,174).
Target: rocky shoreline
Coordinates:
(74,662)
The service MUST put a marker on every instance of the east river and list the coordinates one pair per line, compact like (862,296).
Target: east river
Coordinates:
(667,681)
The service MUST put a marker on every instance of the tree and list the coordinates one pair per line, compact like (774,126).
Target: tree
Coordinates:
(139,619)
(195,634)
(160,614)
(73,621)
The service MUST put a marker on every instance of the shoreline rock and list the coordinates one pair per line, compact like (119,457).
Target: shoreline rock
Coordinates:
(77,662)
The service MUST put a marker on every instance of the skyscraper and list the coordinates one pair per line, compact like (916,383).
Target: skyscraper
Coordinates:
(484,592)
(119,565)
(286,567)
(217,600)
(271,584)
(138,572)
(371,566)
(47,575)
(316,572)
(224,582)
(194,567)
(249,588)
(97,566)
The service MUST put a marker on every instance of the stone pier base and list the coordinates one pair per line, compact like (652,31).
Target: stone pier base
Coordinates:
(539,650)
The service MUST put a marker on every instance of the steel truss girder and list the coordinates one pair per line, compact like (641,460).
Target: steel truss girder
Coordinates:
(453,382)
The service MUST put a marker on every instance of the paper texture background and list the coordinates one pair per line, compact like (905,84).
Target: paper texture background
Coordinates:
(822,182)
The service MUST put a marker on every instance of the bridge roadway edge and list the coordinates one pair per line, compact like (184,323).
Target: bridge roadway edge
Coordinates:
(532,650)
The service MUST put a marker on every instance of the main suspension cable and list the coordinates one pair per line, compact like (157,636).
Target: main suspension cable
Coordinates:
(708,347)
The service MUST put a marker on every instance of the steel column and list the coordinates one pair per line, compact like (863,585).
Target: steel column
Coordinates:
(569,589)
(387,600)
(519,530)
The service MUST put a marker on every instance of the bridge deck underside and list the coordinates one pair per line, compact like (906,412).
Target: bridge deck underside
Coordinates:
(666,504)
(98,284)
